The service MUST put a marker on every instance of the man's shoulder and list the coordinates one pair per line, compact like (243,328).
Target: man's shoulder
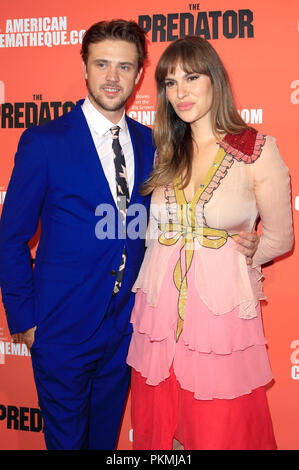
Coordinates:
(55,126)
(133,124)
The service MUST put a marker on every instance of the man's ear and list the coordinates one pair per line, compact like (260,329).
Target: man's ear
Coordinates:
(138,75)
(84,70)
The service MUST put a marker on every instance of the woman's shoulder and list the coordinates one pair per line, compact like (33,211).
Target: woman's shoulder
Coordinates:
(260,150)
(245,146)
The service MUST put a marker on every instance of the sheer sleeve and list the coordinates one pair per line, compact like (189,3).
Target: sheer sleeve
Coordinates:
(273,197)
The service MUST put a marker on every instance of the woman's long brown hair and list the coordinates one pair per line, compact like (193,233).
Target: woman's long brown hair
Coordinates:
(172,136)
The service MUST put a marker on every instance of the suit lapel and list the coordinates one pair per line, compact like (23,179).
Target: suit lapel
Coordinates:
(138,148)
(84,151)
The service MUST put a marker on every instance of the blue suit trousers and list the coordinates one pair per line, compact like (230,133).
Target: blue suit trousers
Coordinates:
(82,388)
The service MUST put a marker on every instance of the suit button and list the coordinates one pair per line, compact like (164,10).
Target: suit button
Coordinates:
(113,272)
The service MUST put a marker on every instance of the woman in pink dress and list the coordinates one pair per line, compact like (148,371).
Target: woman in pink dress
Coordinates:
(198,352)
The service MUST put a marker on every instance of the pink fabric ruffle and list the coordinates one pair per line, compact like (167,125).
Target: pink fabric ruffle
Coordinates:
(219,354)
(223,280)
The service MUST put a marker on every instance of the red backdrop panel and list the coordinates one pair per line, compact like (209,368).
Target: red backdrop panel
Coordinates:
(41,77)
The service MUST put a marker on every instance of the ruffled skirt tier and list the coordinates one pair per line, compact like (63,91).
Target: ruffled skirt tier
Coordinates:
(221,352)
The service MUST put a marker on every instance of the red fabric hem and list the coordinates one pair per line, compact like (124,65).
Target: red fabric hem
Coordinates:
(165,411)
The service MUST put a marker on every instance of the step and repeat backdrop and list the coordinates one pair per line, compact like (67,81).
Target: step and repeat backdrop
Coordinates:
(41,78)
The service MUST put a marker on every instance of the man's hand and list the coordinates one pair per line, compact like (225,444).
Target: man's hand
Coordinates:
(247,243)
(26,337)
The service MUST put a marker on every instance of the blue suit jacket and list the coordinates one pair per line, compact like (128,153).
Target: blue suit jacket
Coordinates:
(58,179)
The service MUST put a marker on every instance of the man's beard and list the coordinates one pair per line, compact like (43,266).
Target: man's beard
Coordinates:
(105,105)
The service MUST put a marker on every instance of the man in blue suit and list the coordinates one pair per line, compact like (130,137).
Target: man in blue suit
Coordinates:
(73,309)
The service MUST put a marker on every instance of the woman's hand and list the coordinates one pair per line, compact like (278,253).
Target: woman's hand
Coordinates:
(247,243)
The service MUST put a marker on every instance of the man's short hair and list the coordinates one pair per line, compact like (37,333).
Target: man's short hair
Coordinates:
(117,30)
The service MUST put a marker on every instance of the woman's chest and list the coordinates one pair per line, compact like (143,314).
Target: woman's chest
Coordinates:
(226,200)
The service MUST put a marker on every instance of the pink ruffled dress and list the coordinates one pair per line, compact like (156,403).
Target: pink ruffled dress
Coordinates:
(197,302)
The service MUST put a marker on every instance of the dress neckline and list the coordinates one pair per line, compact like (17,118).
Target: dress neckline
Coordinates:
(179,191)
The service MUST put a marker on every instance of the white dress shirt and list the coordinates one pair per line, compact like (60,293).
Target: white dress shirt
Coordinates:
(100,127)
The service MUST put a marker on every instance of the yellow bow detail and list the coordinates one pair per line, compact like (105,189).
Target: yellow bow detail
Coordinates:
(171,233)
